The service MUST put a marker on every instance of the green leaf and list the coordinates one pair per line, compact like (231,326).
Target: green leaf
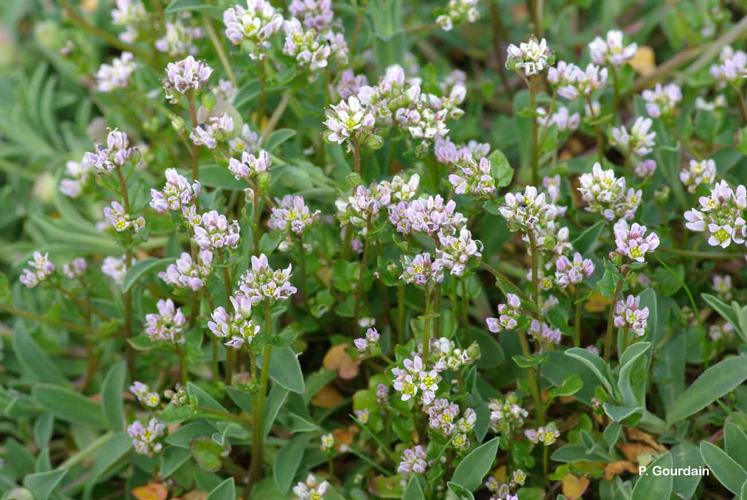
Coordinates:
(206,453)
(142,268)
(608,282)
(413,491)
(42,484)
(277,138)
(595,364)
(712,384)
(285,369)
(726,470)
(730,313)
(653,486)
(473,468)
(275,400)
(287,462)
(112,451)
(633,372)
(220,177)
(570,386)
(686,454)
(111,396)
(4,289)
(584,242)
(735,442)
(69,406)
(34,360)
(500,168)
(458,492)
(224,491)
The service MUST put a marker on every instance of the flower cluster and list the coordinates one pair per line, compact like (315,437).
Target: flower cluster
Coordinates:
(255,24)
(249,167)
(645,169)
(311,48)
(369,344)
(731,68)
(456,251)
(292,214)
(167,325)
(350,121)
(506,414)
(698,172)
(562,119)
(528,211)
(130,15)
(113,155)
(414,461)
(189,274)
(116,268)
(573,82)
(213,130)
(640,139)
(446,354)
(509,314)
(186,75)
(310,489)
(422,269)
(471,169)
(721,215)
(178,39)
(632,241)
(544,333)
(547,435)
(362,207)
(144,395)
(572,272)
(631,316)
(503,491)
(262,283)
(414,378)
(662,101)
(41,269)
(145,437)
(118,218)
(529,58)
(78,174)
(458,12)
(611,50)
(177,193)
(75,268)
(722,285)
(607,195)
(117,74)
(237,327)
(213,231)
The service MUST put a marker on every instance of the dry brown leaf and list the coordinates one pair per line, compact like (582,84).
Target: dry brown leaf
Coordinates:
(338,359)
(635,452)
(597,303)
(344,437)
(574,486)
(151,491)
(644,437)
(644,61)
(616,468)
(327,397)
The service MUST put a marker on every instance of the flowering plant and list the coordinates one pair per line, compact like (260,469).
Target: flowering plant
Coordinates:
(373,249)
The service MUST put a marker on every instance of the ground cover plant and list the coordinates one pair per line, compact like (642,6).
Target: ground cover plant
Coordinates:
(373,249)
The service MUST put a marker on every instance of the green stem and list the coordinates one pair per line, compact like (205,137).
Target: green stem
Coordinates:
(262,96)
(362,275)
(356,156)
(182,364)
(534,374)
(255,468)
(577,320)
(535,132)
(218,46)
(192,145)
(427,326)
(401,312)
(608,343)
(256,216)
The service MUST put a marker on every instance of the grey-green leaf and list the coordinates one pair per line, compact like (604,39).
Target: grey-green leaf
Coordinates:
(69,406)
(651,485)
(473,468)
(224,491)
(285,369)
(42,484)
(287,462)
(726,470)
(712,384)
(111,396)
